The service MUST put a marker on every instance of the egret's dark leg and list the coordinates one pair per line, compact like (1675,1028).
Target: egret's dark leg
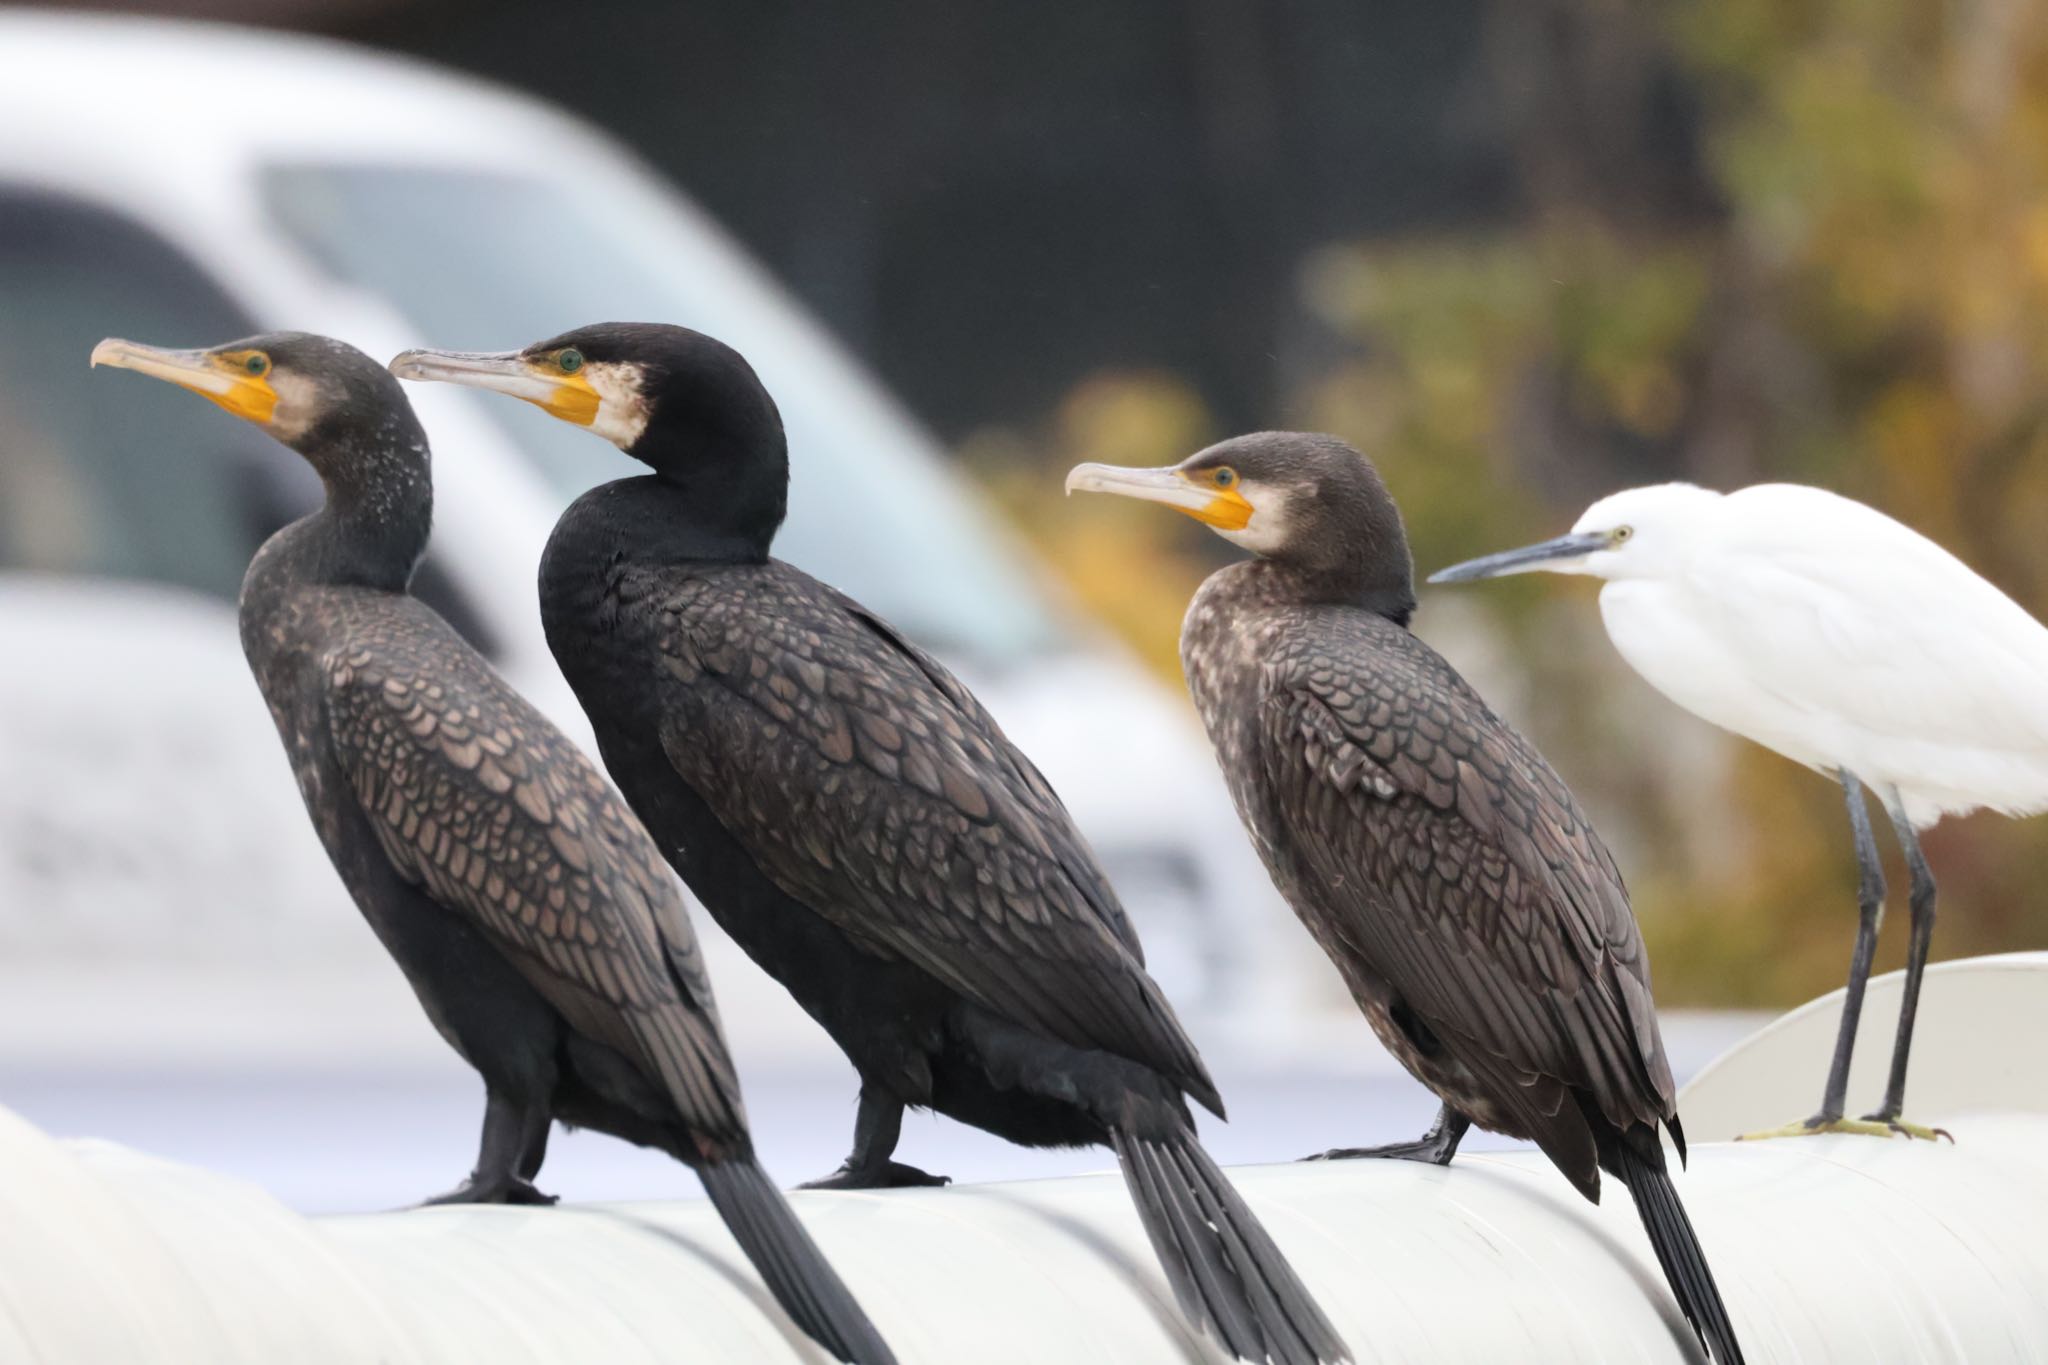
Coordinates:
(1437,1146)
(513,1131)
(875,1131)
(1870,914)
(1922,908)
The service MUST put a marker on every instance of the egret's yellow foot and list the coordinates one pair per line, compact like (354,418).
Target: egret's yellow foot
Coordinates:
(1898,1126)
(1873,1126)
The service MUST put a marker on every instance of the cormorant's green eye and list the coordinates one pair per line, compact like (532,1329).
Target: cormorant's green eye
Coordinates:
(570,360)
(1224,477)
(256,364)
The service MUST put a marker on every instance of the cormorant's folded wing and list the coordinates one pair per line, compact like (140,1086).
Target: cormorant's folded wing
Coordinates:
(869,785)
(489,808)
(1466,875)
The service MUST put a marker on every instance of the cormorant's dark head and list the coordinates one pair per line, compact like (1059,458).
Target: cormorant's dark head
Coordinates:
(686,405)
(323,398)
(1300,499)
(346,415)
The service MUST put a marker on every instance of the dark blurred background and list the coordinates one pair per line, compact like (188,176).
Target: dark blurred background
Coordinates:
(1522,251)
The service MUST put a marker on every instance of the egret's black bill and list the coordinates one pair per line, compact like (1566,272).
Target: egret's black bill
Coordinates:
(1525,560)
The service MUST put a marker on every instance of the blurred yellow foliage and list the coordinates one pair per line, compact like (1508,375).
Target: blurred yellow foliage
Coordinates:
(1132,566)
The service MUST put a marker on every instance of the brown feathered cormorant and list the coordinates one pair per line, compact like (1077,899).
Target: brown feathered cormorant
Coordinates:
(526,906)
(856,821)
(1476,917)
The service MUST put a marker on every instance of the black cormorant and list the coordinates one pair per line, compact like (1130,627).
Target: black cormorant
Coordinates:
(526,906)
(856,821)
(1476,917)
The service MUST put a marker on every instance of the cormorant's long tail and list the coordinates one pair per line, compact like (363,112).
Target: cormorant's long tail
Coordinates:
(1677,1247)
(1230,1278)
(809,1290)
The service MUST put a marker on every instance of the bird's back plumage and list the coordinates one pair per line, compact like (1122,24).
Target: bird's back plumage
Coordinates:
(490,814)
(1444,868)
(872,791)
(478,799)
(861,826)
(868,784)
(1448,871)
(1436,854)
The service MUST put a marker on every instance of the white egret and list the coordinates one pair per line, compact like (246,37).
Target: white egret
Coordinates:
(1845,641)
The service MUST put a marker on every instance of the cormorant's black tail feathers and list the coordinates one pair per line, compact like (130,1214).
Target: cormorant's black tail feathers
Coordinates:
(796,1272)
(1678,1250)
(1230,1278)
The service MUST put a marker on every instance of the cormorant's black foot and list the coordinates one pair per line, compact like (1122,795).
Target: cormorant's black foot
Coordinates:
(1898,1127)
(890,1175)
(509,1190)
(1432,1149)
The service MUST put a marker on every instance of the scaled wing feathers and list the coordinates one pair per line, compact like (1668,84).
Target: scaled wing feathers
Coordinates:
(1458,864)
(870,786)
(479,800)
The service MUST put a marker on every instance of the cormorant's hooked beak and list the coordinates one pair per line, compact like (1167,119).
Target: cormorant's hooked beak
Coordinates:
(224,377)
(1224,508)
(534,379)
(1549,555)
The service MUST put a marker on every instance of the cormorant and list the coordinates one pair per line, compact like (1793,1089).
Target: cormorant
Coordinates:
(856,821)
(1476,917)
(526,906)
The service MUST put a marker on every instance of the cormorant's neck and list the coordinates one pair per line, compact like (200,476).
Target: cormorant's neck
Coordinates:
(379,511)
(656,518)
(718,496)
(1387,591)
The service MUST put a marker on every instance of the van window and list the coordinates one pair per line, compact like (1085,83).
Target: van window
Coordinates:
(117,476)
(111,474)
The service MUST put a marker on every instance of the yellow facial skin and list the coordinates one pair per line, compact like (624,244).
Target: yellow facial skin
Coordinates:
(570,396)
(1210,496)
(1227,508)
(574,401)
(553,383)
(238,380)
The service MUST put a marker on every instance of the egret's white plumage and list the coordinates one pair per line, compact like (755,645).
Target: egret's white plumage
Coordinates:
(1838,637)
(1829,632)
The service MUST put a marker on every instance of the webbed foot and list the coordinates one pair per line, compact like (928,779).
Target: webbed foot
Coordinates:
(889,1175)
(506,1190)
(1430,1150)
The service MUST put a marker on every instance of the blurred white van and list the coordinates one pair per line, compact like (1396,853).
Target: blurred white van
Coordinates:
(184,184)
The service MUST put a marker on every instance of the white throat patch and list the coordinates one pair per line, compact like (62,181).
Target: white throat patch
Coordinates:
(622,406)
(1267,530)
(298,402)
